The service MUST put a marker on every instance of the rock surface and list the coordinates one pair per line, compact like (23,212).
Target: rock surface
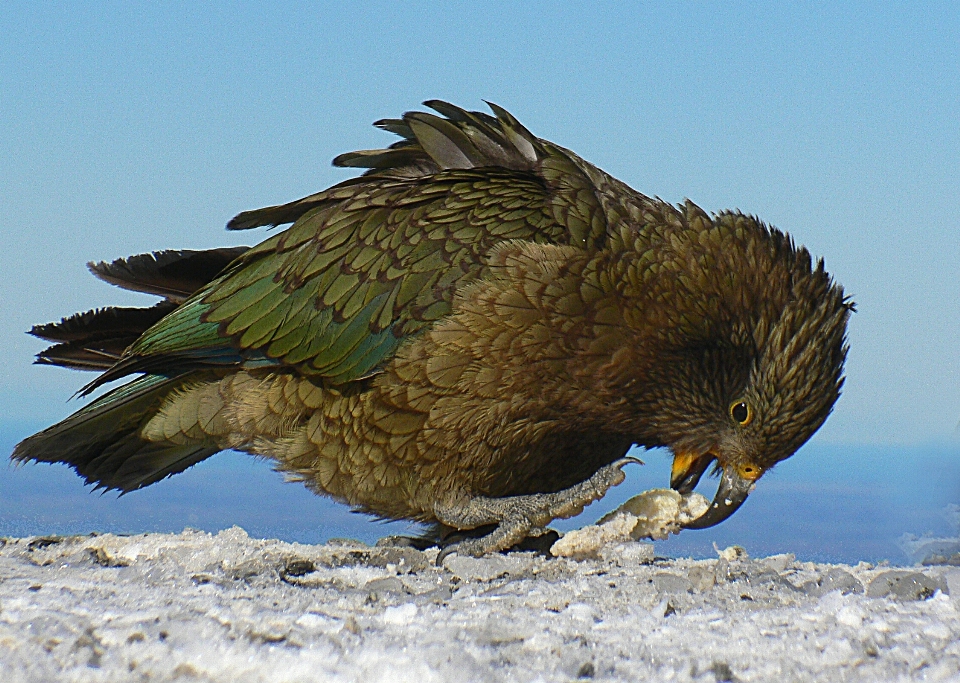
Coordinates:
(226,607)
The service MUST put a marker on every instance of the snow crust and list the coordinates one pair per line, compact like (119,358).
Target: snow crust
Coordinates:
(226,607)
(929,549)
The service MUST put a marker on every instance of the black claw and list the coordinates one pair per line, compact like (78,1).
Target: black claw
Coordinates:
(443,554)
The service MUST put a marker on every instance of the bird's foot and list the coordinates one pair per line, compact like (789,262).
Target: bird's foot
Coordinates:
(517,517)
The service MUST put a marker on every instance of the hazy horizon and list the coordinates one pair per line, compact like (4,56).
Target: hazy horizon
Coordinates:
(799,507)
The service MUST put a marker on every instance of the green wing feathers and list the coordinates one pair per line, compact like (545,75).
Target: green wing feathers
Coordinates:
(338,291)
(362,266)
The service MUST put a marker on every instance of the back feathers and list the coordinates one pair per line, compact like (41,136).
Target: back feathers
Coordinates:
(430,144)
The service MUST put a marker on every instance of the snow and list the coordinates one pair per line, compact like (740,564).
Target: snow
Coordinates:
(226,607)
(931,550)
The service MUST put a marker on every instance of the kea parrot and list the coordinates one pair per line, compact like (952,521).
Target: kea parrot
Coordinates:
(471,334)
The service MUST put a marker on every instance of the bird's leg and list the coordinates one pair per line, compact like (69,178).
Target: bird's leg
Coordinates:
(517,517)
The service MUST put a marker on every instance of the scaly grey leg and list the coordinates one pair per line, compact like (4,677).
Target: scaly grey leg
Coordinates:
(517,517)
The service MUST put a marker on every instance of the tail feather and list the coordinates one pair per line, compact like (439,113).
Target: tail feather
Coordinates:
(102,442)
(106,321)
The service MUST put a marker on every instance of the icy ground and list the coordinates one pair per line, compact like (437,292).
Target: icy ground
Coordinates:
(227,607)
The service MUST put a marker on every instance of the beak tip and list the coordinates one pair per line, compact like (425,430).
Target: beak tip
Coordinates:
(731,494)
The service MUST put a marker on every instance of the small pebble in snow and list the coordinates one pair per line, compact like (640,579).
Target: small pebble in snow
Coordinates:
(346,543)
(702,577)
(933,560)
(388,584)
(627,554)
(833,580)
(722,672)
(297,567)
(731,553)
(405,560)
(761,575)
(903,585)
(437,595)
(666,582)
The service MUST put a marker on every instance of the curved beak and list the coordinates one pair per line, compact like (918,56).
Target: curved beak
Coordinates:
(733,489)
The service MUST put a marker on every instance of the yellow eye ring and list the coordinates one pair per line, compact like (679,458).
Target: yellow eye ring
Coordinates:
(741,412)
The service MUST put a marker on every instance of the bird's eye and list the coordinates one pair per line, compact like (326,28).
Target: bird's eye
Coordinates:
(741,413)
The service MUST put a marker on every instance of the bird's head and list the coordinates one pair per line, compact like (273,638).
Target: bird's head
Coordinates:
(752,354)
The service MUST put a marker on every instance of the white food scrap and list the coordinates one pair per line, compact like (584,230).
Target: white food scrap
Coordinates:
(653,514)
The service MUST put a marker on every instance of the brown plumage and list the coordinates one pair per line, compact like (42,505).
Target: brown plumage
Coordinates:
(473,332)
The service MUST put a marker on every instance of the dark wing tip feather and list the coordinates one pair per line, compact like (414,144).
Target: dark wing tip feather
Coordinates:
(393,157)
(80,357)
(102,323)
(397,127)
(173,274)
(96,339)
(270,215)
(281,214)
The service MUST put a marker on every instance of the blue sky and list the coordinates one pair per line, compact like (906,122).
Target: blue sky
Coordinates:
(128,127)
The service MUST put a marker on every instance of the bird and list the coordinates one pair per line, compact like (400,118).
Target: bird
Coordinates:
(472,334)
